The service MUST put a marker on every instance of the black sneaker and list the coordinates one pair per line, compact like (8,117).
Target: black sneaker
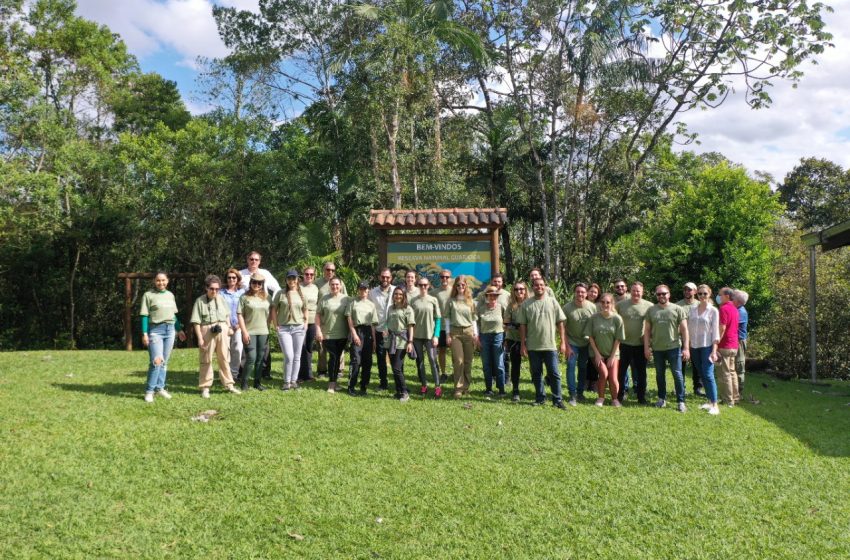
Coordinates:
(538,403)
(559,404)
(362,392)
(352,392)
(259,388)
(488,394)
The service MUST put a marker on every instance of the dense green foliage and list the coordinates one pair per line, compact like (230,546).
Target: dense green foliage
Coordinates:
(562,111)
(90,470)
(817,193)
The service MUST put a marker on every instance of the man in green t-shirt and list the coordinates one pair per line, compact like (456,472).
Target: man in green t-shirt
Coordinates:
(577,311)
(541,320)
(633,311)
(665,335)
(688,302)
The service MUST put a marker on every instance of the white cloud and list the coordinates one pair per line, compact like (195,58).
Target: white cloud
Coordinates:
(802,122)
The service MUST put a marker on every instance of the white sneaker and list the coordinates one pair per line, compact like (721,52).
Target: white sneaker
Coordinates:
(234,390)
(332,388)
(599,402)
(706,406)
(573,402)
(164,394)
(660,403)
(205,393)
(616,404)
(148,396)
(714,410)
(681,407)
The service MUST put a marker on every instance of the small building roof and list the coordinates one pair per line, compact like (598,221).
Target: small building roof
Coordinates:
(830,238)
(439,218)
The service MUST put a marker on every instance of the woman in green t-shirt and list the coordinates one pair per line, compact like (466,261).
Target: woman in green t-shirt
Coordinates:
(253,316)
(332,328)
(462,334)
(519,293)
(605,331)
(159,324)
(491,328)
(398,339)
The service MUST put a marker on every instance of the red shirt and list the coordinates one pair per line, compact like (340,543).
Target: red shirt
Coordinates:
(729,317)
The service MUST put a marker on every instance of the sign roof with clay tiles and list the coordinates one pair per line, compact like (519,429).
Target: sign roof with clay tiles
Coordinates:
(439,218)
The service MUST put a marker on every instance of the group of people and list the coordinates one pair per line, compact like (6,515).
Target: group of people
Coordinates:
(606,338)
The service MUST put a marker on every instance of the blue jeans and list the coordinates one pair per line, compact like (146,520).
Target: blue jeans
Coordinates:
(160,343)
(700,360)
(673,357)
(580,354)
(536,359)
(493,359)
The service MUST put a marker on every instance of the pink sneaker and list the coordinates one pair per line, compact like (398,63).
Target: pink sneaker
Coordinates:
(424,390)
(438,392)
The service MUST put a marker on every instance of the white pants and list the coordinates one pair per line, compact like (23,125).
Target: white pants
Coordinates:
(291,338)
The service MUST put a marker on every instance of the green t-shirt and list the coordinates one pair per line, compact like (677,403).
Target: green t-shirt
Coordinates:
(443,299)
(285,315)
(159,307)
(491,321)
(362,312)
(605,332)
(325,287)
(397,322)
(541,318)
(633,315)
(331,310)
(461,315)
(665,322)
(576,320)
(207,311)
(255,313)
(426,311)
(411,294)
(311,294)
(512,330)
(502,298)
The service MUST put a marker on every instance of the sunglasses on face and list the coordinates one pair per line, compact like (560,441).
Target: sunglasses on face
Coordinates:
(231,278)
(519,289)
(330,270)
(702,294)
(445,277)
(423,285)
(212,289)
(253,259)
(309,274)
(659,294)
(257,282)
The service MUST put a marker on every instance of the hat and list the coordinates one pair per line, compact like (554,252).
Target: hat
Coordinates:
(690,285)
(491,290)
(363,285)
(292,273)
(257,277)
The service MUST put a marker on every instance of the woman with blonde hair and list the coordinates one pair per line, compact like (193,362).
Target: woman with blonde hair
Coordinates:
(289,313)
(398,339)
(605,330)
(232,293)
(519,293)
(253,317)
(704,331)
(462,334)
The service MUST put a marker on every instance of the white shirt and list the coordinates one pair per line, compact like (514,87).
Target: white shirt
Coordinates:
(383,301)
(271,284)
(704,329)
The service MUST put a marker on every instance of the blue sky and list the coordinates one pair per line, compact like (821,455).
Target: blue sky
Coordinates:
(812,120)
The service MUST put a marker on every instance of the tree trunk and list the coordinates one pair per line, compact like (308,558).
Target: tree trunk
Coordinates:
(72,299)
(438,139)
(509,255)
(391,129)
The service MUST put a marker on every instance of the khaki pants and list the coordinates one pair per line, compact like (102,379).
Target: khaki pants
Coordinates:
(727,379)
(462,353)
(218,344)
(741,363)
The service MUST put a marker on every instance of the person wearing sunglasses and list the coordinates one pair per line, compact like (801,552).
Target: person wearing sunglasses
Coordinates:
(253,317)
(727,378)
(211,321)
(443,293)
(310,291)
(231,293)
(688,302)
(426,335)
(289,315)
(513,343)
(382,296)
(541,324)
(332,328)
(159,325)
(578,311)
(665,339)
(704,332)
(605,332)
(254,259)
(323,283)
(491,334)
(463,334)
(633,311)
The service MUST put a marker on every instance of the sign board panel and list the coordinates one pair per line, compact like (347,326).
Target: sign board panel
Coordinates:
(428,258)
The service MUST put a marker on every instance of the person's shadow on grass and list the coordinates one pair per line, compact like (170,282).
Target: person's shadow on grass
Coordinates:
(134,387)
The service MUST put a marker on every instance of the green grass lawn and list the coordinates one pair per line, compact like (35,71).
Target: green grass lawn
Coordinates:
(88,470)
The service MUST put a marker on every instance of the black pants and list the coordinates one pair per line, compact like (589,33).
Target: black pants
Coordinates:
(361,359)
(513,359)
(305,370)
(592,374)
(381,353)
(397,361)
(334,347)
(632,356)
